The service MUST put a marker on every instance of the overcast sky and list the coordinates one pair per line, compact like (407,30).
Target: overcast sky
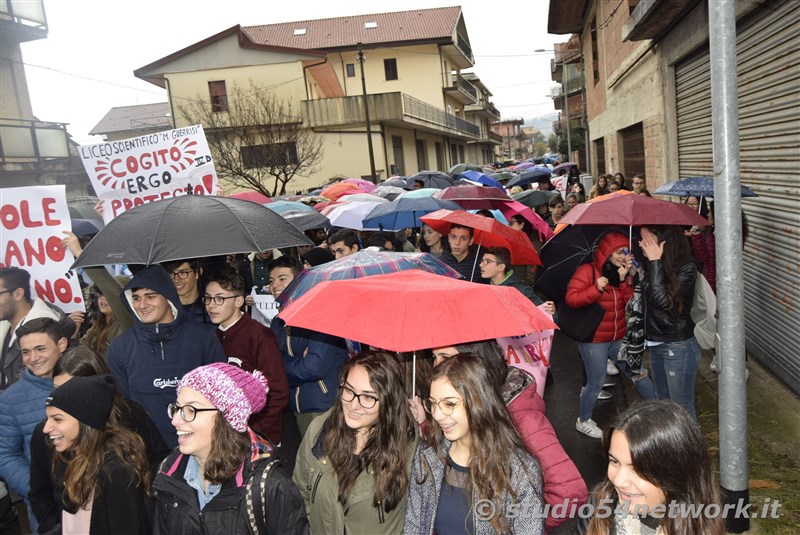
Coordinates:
(85,66)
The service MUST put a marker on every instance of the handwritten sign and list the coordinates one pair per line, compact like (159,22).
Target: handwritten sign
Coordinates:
(136,171)
(265,308)
(531,353)
(33,220)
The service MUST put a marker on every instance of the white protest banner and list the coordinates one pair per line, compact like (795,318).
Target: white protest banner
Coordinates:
(33,221)
(265,308)
(530,353)
(132,172)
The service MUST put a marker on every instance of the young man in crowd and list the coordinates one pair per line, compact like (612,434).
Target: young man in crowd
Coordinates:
(311,359)
(249,345)
(496,267)
(344,243)
(640,186)
(185,275)
(18,306)
(150,359)
(22,404)
(463,255)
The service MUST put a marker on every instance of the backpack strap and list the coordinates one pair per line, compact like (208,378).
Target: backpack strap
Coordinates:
(257,499)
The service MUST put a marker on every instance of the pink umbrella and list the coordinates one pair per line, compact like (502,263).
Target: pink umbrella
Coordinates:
(510,209)
(252,196)
(364,185)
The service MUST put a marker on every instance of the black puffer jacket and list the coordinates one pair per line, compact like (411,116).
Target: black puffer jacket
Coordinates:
(660,323)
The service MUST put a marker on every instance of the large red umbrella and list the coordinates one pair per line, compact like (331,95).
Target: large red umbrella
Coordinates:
(632,210)
(475,197)
(382,309)
(252,196)
(488,232)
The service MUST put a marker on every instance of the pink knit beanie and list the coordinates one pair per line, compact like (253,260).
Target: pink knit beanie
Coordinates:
(235,392)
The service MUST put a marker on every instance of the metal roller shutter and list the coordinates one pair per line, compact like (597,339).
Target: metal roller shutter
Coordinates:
(768,58)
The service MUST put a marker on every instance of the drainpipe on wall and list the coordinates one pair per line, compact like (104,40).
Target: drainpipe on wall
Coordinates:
(305,76)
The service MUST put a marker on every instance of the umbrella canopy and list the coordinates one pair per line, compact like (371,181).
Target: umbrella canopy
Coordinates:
(87,227)
(632,210)
(696,186)
(252,196)
(364,185)
(522,166)
(488,232)
(388,192)
(513,208)
(305,220)
(459,169)
(477,176)
(405,212)
(534,197)
(82,211)
(474,197)
(280,207)
(440,311)
(189,226)
(361,197)
(430,179)
(564,166)
(419,193)
(396,181)
(335,191)
(363,264)
(502,176)
(313,199)
(351,215)
(528,177)
(565,252)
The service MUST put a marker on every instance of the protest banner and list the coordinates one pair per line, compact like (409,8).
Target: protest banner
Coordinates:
(264,309)
(33,220)
(531,353)
(136,171)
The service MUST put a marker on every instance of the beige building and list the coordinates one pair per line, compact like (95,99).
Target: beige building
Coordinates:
(423,112)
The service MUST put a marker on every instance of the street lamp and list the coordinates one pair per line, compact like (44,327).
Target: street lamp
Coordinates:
(564,94)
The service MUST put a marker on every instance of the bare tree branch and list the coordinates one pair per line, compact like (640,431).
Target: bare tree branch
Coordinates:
(260,142)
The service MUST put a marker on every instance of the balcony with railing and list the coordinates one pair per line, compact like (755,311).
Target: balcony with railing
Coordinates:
(575,121)
(462,90)
(23,20)
(485,108)
(392,108)
(23,141)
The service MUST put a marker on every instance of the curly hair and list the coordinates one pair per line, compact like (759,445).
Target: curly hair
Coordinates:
(387,448)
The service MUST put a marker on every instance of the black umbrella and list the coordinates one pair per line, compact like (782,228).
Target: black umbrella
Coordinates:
(189,226)
(534,197)
(528,177)
(306,220)
(87,227)
(565,252)
(431,179)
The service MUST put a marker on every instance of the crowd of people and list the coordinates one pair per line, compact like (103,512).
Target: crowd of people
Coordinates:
(167,408)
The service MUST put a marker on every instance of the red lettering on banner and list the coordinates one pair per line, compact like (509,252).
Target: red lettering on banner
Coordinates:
(55,291)
(11,215)
(536,355)
(511,356)
(23,254)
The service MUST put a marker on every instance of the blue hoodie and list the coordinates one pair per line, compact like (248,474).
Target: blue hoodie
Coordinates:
(149,360)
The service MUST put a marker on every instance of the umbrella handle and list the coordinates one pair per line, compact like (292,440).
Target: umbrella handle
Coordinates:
(413,374)
(475,263)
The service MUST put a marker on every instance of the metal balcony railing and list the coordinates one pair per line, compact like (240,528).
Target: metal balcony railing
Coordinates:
(423,111)
(463,45)
(27,140)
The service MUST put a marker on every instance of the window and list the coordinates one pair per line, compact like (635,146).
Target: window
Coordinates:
(219,96)
(351,69)
(633,150)
(274,155)
(439,149)
(595,54)
(390,68)
(422,160)
(600,152)
(397,152)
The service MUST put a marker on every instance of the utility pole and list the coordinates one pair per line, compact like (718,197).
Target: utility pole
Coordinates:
(564,94)
(361,60)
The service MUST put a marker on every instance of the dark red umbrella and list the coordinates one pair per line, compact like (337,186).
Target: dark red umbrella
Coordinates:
(252,196)
(488,232)
(382,309)
(632,210)
(475,197)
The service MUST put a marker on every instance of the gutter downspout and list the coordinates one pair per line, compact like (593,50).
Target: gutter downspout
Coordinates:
(171,107)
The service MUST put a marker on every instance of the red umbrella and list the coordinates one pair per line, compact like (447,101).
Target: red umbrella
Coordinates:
(632,210)
(381,310)
(475,197)
(488,232)
(517,208)
(253,196)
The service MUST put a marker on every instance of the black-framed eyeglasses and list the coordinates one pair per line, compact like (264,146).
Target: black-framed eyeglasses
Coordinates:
(488,261)
(181,274)
(445,406)
(187,412)
(365,400)
(219,300)
(6,292)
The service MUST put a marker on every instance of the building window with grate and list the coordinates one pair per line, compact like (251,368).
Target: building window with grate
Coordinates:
(600,154)
(273,155)
(390,69)
(219,96)
(351,70)
(633,150)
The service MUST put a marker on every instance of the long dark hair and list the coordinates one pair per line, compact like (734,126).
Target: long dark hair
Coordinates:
(387,448)
(493,439)
(677,252)
(228,450)
(667,449)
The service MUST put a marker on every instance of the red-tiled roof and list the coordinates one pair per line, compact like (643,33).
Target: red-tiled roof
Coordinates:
(341,32)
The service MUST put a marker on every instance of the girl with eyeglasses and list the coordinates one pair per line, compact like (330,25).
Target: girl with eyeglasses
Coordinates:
(353,464)
(472,473)
(223,478)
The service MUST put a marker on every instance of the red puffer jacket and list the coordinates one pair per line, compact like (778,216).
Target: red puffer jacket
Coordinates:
(582,291)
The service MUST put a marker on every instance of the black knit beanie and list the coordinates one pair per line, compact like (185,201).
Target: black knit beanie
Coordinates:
(87,399)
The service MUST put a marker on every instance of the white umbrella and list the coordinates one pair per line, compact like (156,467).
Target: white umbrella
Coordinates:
(351,215)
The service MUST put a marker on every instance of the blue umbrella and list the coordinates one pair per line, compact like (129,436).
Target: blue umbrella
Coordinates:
(404,212)
(280,207)
(528,177)
(477,176)
(696,186)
